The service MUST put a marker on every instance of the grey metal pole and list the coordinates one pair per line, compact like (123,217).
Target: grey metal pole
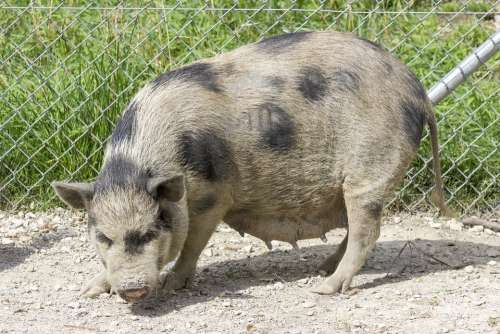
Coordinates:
(458,75)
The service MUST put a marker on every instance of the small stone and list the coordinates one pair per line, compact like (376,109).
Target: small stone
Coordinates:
(7,241)
(488,231)
(454,225)
(250,328)
(308,304)
(469,269)
(32,288)
(435,225)
(310,313)
(208,252)
(492,252)
(80,313)
(397,220)
(248,249)
(477,228)
(73,287)
(74,305)
(492,263)
(279,285)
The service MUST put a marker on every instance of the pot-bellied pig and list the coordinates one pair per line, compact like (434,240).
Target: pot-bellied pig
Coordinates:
(284,139)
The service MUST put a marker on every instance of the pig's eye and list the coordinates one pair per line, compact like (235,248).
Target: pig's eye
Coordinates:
(101,237)
(163,221)
(149,236)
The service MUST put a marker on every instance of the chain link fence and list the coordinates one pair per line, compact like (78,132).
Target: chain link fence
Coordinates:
(67,70)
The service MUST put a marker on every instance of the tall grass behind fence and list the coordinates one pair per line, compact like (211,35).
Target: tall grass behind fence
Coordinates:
(68,69)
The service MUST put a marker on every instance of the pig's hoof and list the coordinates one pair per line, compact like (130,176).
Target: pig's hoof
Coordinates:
(332,285)
(323,289)
(174,281)
(95,287)
(93,292)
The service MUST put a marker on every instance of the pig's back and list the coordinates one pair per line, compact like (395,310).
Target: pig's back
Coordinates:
(282,121)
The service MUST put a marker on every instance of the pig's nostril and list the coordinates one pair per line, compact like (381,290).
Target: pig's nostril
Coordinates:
(132,295)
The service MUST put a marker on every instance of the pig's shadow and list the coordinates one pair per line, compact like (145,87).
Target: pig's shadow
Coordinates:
(230,278)
(11,256)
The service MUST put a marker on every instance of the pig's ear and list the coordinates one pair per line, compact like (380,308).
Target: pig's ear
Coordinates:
(169,188)
(76,195)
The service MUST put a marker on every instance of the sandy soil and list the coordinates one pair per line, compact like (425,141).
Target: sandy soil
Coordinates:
(446,279)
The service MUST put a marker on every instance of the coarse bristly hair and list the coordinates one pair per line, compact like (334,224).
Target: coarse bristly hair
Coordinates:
(283,139)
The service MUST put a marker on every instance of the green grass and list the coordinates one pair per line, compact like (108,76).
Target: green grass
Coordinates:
(59,110)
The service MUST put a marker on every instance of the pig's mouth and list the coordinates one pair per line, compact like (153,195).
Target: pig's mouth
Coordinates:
(132,295)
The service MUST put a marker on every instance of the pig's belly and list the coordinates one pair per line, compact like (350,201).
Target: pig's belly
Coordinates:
(287,227)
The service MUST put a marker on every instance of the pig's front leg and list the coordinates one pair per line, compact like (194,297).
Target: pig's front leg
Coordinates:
(200,231)
(98,285)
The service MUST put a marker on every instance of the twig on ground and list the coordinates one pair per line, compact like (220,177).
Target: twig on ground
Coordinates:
(412,245)
(80,327)
(407,244)
(432,256)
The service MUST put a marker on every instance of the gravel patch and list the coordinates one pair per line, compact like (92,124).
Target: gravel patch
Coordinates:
(426,275)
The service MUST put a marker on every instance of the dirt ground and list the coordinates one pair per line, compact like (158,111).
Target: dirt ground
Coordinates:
(446,279)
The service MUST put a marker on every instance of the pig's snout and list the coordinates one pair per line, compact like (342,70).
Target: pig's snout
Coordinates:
(133,290)
(134,294)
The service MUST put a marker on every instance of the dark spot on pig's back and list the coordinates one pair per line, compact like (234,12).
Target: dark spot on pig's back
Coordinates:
(277,83)
(120,172)
(413,117)
(203,74)
(281,42)
(276,127)
(313,84)
(345,81)
(206,154)
(126,125)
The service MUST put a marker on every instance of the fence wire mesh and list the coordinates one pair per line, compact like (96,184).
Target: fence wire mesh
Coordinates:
(67,70)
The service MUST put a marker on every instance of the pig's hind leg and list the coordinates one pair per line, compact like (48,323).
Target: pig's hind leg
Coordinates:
(364,211)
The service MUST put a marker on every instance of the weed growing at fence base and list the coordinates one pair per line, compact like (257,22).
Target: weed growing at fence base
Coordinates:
(67,73)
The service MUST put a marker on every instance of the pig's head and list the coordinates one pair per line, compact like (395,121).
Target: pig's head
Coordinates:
(138,224)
